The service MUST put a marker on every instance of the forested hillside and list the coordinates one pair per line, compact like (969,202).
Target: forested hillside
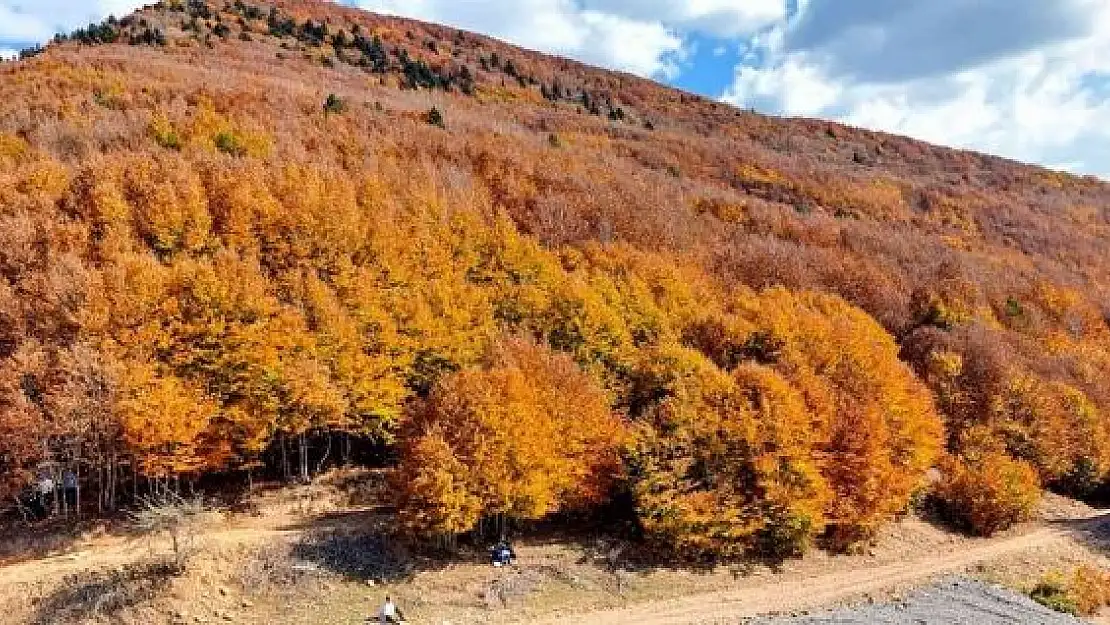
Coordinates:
(234,236)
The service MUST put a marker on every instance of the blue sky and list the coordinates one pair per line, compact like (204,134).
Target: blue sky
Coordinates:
(1028,79)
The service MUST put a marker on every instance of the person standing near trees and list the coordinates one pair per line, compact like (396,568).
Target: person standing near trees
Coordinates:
(69,489)
(44,491)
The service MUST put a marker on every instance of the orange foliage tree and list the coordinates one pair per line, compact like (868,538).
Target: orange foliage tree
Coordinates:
(723,464)
(194,274)
(986,490)
(528,435)
(875,424)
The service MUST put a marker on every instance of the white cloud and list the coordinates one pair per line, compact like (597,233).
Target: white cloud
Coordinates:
(645,37)
(645,48)
(721,18)
(1044,102)
(26,21)
(618,40)
(17,26)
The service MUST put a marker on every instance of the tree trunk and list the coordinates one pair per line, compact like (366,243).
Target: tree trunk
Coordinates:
(58,507)
(113,483)
(303,444)
(22,510)
(284,456)
(324,458)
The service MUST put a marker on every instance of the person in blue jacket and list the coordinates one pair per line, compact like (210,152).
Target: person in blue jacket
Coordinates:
(502,554)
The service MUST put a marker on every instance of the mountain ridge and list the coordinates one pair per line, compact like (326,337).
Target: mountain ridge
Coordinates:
(306,9)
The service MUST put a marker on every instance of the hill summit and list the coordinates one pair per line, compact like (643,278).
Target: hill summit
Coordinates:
(240,235)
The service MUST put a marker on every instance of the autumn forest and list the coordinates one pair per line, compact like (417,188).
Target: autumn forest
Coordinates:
(238,238)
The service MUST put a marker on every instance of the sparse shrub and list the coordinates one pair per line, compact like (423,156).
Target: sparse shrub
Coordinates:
(505,590)
(1083,594)
(164,133)
(1090,589)
(178,519)
(230,143)
(110,98)
(269,567)
(1052,592)
(435,118)
(554,141)
(13,149)
(334,105)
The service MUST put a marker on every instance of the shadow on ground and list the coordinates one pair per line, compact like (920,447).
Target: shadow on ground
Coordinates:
(102,594)
(356,555)
(1095,533)
(363,545)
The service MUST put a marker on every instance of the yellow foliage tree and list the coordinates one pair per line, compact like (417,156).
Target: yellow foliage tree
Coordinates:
(878,428)
(723,465)
(985,490)
(164,422)
(1058,429)
(535,434)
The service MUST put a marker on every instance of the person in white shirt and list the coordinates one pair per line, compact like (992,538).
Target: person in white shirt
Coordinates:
(44,492)
(390,613)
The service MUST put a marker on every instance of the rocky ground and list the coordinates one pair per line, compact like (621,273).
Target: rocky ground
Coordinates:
(957,601)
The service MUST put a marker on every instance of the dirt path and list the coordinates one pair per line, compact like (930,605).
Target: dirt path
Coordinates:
(836,581)
(106,553)
(789,593)
(109,551)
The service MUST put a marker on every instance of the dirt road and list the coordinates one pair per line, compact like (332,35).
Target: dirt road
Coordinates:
(786,593)
(808,588)
(109,551)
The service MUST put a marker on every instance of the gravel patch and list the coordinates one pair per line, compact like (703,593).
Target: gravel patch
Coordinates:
(952,602)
